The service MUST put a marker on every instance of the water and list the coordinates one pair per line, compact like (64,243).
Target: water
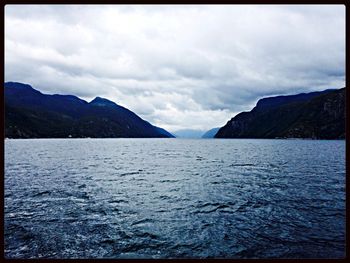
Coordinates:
(173,198)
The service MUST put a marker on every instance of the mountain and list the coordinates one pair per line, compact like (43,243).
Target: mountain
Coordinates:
(211,133)
(317,115)
(273,102)
(188,133)
(32,114)
(164,132)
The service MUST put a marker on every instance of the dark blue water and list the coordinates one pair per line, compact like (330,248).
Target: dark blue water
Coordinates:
(173,198)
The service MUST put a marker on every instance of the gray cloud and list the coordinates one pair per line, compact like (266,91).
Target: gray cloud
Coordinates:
(177,66)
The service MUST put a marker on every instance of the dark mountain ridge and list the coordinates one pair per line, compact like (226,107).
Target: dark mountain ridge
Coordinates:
(32,114)
(272,102)
(316,115)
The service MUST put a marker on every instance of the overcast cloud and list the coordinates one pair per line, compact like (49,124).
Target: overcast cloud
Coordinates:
(179,67)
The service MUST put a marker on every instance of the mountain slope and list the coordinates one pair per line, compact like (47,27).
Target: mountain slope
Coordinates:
(211,133)
(318,115)
(31,114)
(164,132)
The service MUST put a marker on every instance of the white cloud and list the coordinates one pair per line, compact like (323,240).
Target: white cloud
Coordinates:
(177,66)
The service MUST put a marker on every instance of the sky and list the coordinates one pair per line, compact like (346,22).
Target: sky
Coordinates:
(178,67)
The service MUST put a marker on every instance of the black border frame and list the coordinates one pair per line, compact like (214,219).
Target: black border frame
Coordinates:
(266,2)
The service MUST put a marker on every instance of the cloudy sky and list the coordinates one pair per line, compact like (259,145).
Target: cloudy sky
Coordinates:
(178,67)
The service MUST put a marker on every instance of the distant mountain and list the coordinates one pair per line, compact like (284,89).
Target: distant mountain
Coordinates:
(188,133)
(211,133)
(32,114)
(317,115)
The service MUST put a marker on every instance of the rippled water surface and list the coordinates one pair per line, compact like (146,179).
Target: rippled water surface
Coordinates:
(173,198)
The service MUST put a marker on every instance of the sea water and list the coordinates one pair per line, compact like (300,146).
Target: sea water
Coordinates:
(174,198)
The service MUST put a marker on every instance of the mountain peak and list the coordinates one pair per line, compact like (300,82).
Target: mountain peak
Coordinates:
(98,101)
(12,84)
(17,87)
(31,114)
